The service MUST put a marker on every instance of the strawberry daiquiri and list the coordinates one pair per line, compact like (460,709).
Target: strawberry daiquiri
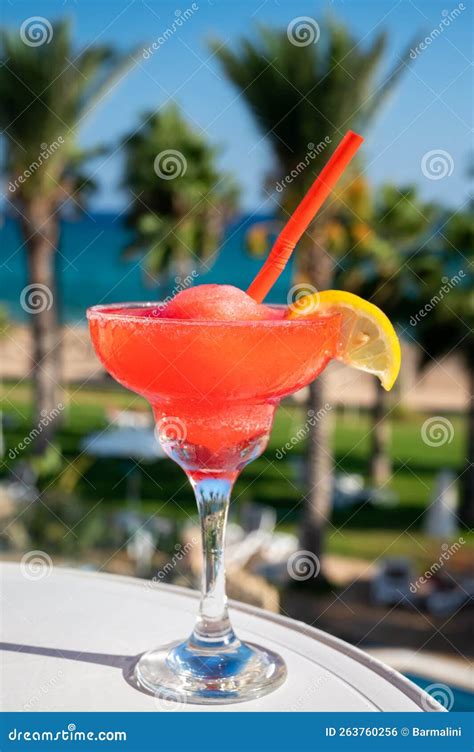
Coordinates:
(214,363)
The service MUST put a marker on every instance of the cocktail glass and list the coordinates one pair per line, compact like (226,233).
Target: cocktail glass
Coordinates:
(214,387)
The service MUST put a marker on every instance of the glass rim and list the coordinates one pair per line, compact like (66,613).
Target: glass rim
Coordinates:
(109,311)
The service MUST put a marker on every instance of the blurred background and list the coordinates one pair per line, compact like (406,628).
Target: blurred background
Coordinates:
(146,148)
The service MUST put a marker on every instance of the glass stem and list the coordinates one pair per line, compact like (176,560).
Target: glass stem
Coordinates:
(213,628)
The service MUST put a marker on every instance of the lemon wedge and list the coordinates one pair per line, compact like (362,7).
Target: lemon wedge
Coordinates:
(368,341)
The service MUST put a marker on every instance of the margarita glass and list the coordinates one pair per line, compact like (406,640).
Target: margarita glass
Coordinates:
(214,387)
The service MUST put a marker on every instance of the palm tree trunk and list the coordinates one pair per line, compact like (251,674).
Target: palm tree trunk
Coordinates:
(380,468)
(317,503)
(467,504)
(40,230)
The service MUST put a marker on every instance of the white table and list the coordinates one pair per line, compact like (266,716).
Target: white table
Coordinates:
(70,638)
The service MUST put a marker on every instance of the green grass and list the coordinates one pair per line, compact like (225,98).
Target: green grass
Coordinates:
(364,532)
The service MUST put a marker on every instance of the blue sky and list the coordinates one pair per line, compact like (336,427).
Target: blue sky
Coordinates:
(431,111)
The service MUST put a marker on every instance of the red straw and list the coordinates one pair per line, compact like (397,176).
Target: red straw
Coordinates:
(303,216)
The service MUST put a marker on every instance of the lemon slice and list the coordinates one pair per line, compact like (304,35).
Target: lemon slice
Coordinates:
(368,341)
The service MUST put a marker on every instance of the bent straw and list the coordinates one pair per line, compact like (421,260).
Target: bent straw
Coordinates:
(303,215)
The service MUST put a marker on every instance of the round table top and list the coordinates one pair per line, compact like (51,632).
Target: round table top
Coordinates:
(70,639)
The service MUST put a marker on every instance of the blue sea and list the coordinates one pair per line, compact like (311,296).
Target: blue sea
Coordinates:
(91,267)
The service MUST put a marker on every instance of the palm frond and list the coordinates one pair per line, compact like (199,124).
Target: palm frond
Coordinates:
(47,91)
(113,68)
(177,223)
(388,87)
(300,95)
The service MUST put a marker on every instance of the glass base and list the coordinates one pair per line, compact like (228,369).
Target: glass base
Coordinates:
(189,672)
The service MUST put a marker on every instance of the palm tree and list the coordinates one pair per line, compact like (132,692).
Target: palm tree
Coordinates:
(47,91)
(181,200)
(384,267)
(449,325)
(302,95)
